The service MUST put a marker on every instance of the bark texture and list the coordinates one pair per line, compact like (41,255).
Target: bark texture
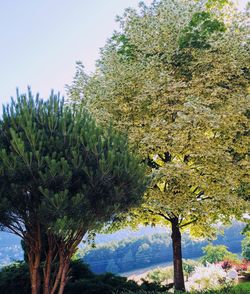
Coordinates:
(179,282)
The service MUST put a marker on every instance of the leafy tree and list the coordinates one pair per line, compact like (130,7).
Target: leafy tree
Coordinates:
(245,244)
(175,78)
(216,253)
(196,34)
(127,259)
(112,267)
(61,176)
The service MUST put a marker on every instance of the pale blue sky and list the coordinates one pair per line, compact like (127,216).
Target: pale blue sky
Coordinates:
(40,40)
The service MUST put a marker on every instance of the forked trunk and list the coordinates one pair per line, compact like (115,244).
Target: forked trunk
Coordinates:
(65,253)
(179,283)
(57,262)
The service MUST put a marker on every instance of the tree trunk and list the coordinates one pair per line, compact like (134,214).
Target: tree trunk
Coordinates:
(63,269)
(64,277)
(64,252)
(179,283)
(47,271)
(33,245)
(58,277)
(35,279)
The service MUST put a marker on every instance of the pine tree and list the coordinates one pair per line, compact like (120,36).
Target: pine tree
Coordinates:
(61,176)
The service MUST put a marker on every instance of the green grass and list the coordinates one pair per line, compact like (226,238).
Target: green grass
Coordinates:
(243,287)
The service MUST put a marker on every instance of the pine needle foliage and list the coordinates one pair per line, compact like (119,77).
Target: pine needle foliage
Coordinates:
(61,176)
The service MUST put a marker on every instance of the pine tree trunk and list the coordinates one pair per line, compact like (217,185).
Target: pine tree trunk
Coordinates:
(33,243)
(64,277)
(62,272)
(65,252)
(179,283)
(35,280)
(58,274)
(47,272)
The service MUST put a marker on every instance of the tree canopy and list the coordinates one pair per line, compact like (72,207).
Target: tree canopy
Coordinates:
(245,244)
(175,77)
(214,254)
(61,176)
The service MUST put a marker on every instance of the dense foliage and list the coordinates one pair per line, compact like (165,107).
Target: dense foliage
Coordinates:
(61,176)
(183,126)
(246,247)
(175,77)
(214,254)
(13,277)
(82,281)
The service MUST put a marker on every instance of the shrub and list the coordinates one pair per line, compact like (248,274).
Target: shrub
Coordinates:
(240,289)
(211,277)
(13,277)
(82,281)
(243,266)
(160,275)
(189,266)
(217,253)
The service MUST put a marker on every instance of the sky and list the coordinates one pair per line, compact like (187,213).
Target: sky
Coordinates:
(40,41)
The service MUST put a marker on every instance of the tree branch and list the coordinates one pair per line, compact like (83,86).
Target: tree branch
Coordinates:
(160,214)
(188,223)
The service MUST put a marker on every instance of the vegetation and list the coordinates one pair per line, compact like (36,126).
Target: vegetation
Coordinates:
(241,289)
(189,266)
(246,247)
(82,280)
(209,277)
(161,275)
(176,79)
(170,96)
(140,252)
(13,277)
(214,254)
(61,176)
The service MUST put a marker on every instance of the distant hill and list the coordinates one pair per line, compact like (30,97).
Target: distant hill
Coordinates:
(152,245)
(10,248)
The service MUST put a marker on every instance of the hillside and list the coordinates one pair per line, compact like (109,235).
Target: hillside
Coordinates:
(126,250)
(151,249)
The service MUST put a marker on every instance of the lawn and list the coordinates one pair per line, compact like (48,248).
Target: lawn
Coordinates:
(243,287)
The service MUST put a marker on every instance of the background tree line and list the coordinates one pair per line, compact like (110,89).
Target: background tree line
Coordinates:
(135,253)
